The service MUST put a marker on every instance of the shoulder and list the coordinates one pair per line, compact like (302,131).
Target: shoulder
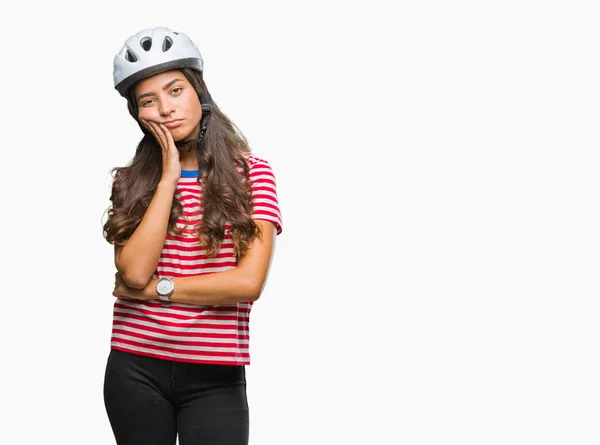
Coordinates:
(254,161)
(258,166)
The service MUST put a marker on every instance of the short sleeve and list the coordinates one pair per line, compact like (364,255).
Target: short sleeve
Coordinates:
(264,194)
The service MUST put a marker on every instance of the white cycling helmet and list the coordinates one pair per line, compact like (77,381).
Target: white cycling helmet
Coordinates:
(153,51)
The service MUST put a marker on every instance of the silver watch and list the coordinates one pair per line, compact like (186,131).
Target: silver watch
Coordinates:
(165,288)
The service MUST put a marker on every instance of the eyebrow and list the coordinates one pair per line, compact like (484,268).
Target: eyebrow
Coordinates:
(141,96)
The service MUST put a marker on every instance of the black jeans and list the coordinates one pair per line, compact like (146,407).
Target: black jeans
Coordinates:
(149,401)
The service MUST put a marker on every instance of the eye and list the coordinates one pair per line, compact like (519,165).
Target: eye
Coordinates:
(146,102)
(176,90)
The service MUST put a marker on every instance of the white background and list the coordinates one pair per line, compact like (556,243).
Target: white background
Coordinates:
(437,164)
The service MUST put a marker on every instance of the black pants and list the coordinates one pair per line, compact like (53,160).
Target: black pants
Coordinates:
(149,401)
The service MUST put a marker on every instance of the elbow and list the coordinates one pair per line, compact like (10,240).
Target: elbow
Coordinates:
(254,288)
(134,277)
(136,281)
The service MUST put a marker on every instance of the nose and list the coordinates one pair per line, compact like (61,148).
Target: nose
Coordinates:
(165,107)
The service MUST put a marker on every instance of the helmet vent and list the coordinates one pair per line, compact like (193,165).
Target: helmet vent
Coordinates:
(167,43)
(130,56)
(146,43)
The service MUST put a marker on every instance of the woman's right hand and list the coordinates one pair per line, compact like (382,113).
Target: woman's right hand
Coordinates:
(171,167)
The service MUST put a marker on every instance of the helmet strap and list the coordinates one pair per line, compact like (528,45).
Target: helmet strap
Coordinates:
(197,142)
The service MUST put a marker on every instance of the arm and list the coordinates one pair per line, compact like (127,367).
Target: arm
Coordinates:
(243,283)
(137,259)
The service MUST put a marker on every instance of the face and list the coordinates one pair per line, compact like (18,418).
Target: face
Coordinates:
(169,98)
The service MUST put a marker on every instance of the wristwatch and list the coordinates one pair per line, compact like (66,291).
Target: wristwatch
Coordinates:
(165,288)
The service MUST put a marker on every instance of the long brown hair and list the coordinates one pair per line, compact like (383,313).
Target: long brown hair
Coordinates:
(226,192)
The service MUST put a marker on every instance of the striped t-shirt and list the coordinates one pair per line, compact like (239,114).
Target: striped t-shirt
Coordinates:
(192,333)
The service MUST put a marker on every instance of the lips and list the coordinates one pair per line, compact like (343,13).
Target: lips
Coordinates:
(173,124)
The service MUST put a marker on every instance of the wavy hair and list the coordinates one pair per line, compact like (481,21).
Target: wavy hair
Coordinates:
(226,192)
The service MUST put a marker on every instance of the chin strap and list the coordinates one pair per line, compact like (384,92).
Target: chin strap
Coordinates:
(206,113)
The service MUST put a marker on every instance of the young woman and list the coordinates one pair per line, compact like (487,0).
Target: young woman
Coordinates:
(193,219)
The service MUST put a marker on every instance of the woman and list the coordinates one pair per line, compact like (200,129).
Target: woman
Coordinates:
(193,219)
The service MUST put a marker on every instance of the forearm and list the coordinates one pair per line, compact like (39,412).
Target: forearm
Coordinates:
(243,283)
(219,288)
(138,258)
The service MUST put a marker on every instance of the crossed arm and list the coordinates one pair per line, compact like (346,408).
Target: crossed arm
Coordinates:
(137,259)
(243,283)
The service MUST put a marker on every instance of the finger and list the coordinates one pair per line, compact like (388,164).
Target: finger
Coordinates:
(165,136)
(152,130)
(146,125)
(169,138)
(157,133)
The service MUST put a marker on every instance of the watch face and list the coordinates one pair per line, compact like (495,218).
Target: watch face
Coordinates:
(164,287)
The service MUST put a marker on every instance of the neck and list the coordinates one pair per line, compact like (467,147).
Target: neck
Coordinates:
(188,159)
(187,154)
